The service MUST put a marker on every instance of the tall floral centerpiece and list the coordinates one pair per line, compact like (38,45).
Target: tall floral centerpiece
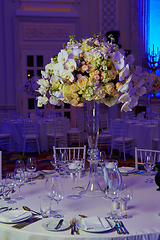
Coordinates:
(85,73)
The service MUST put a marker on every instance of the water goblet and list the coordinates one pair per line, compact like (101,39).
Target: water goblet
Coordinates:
(10,183)
(148,165)
(126,196)
(19,177)
(31,166)
(73,168)
(58,194)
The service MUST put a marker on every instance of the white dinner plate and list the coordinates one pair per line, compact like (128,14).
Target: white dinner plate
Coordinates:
(52,223)
(80,225)
(34,174)
(126,169)
(14,216)
(47,171)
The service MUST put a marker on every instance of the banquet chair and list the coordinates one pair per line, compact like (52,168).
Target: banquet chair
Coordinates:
(120,140)
(76,134)
(156,141)
(0,165)
(140,155)
(72,152)
(5,140)
(104,138)
(58,136)
(30,133)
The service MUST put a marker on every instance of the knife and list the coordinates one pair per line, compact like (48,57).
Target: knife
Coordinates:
(59,224)
(122,225)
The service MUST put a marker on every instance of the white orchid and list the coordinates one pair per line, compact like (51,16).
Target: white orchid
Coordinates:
(141,91)
(62,56)
(43,82)
(54,101)
(42,101)
(126,107)
(130,59)
(124,73)
(119,60)
(70,65)
(67,75)
(124,98)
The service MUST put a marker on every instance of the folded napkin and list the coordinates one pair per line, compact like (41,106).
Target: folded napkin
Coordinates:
(14,215)
(95,223)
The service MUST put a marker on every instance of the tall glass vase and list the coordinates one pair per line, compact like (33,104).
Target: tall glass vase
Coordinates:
(91,112)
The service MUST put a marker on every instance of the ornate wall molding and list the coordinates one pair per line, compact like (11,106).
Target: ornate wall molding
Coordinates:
(140,17)
(46,32)
(49,5)
(110,16)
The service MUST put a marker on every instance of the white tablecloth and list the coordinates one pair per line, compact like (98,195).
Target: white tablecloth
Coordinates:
(145,224)
(15,128)
(143,134)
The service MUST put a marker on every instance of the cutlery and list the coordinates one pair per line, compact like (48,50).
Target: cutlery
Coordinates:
(118,228)
(82,216)
(72,227)
(30,210)
(75,228)
(59,224)
(26,223)
(122,225)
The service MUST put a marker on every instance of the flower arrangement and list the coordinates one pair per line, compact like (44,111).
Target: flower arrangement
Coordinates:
(151,82)
(30,86)
(90,69)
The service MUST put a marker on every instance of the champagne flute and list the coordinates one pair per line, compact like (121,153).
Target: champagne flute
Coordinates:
(31,166)
(10,183)
(58,194)
(80,163)
(19,177)
(126,196)
(148,165)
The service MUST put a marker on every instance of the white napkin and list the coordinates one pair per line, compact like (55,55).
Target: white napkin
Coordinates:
(14,215)
(95,223)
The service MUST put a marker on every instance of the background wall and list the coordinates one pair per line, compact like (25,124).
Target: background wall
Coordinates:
(94,16)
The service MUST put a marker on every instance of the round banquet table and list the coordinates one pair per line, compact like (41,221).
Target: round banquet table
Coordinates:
(144,207)
(15,128)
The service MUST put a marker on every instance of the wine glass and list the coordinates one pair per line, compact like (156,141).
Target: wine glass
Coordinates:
(50,181)
(148,165)
(19,177)
(54,162)
(63,161)
(10,183)
(20,164)
(31,166)
(58,194)
(80,163)
(126,196)
(73,167)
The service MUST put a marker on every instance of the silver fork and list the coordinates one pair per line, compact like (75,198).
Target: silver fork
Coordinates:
(124,228)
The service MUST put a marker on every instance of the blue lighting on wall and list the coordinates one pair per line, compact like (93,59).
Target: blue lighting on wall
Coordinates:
(154,37)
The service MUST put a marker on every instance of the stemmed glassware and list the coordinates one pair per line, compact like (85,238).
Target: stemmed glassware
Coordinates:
(54,162)
(58,194)
(20,164)
(102,160)
(81,163)
(148,165)
(49,191)
(10,183)
(19,177)
(31,166)
(126,196)
(63,161)
(74,167)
